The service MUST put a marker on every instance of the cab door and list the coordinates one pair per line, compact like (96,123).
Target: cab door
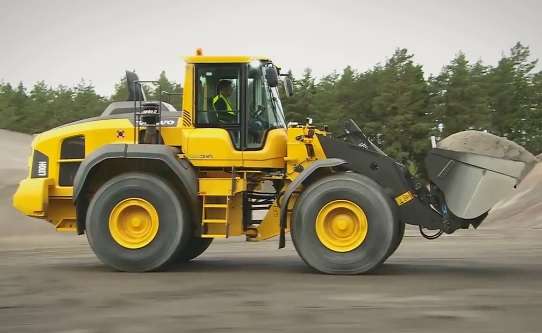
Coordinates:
(216,139)
(241,127)
(265,128)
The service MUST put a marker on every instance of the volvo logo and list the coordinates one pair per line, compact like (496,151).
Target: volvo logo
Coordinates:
(42,169)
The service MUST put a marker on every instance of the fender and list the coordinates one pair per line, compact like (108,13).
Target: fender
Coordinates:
(327,163)
(165,154)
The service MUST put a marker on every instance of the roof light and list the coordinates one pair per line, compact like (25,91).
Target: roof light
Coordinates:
(199,51)
(255,63)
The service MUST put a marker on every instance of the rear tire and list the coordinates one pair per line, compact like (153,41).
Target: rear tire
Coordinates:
(114,248)
(356,191)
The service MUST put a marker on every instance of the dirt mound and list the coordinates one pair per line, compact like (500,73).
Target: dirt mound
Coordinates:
(15,149)
(521,209)
(486,144)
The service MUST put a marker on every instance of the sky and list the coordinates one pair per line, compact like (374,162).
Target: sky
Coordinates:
(62,42)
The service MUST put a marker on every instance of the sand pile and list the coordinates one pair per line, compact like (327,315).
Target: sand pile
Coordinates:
(523,207)
(486,144)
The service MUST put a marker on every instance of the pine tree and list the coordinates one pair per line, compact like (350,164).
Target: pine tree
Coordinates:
(9,115)
(511,88)
(401,106)
(534,117)
(302,105)
(461,100)
(120,92)
(327,106)
(37,113)
(167,91)
(86,102)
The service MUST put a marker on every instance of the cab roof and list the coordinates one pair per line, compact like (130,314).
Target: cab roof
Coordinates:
(203,59)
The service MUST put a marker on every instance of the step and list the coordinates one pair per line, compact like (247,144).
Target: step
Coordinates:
(215,221)
(213,236)
(215,205)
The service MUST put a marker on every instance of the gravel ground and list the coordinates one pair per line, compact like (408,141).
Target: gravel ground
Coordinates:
(485,280)
(474,281)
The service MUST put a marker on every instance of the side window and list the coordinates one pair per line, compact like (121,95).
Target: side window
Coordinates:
(218,96)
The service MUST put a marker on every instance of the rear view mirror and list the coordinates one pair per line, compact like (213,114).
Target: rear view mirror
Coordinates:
(288,86)
(272,76)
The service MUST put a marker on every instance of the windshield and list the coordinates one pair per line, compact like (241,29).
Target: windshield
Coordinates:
(264,107)
(278,106)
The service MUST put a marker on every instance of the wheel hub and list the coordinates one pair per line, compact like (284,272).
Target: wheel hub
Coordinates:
(341,225)
(133,223)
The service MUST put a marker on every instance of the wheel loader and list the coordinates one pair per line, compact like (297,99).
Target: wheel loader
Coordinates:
(151,186)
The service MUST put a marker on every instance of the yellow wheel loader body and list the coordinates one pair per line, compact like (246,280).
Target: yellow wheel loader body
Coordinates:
(127,177)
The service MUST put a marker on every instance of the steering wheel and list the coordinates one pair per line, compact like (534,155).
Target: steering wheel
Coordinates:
(256,124)
(256,114)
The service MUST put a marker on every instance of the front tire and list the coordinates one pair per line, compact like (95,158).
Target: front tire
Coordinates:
(344,224)
(398,238)
(136,222)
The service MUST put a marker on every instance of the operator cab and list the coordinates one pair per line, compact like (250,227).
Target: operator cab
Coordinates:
(241,98)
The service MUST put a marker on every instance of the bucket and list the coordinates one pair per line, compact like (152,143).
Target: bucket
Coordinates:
(474,170)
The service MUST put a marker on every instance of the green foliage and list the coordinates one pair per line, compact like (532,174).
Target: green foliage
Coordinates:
(120,92)
(389,102)
(460,96)
(512,96)
(44,107)
(402,100)
(168,90)
(534,117)
(399,109)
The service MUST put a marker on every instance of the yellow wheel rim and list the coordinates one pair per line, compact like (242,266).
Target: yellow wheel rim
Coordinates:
(133,223)
(341,225)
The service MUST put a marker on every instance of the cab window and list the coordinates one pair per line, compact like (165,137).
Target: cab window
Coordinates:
(218,98)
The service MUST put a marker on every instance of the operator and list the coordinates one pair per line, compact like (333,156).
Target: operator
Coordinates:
(221,104)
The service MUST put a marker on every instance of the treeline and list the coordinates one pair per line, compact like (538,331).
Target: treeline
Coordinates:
(43,107)
(400,109)
(394,102)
